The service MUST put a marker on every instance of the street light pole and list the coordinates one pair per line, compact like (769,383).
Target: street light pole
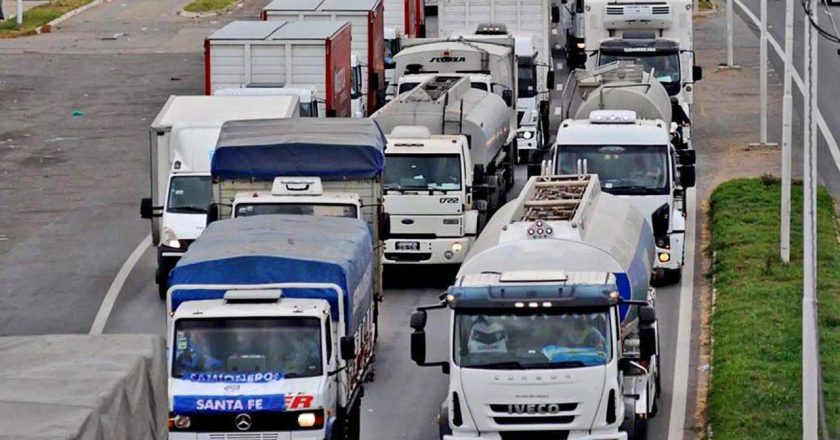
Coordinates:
(810,343)
(730,38)
(762,81)
(19,12)
(787,133)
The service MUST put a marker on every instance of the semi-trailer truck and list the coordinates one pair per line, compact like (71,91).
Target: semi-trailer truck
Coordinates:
(330,167)
(271,329)
(623,131)
(553,330)
(450,163)
(182,140)
(280,54)
(366,17)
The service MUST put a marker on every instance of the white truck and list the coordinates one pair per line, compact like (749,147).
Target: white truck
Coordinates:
(553,330)
(272,329)
(182,140)
(655,34)
(450,163)
(572,31)
(328,167)
(403,19)
(623,132)
(366,19)
(531,23)
(292,56)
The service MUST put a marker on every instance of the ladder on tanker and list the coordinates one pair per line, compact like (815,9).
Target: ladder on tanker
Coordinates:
(556,198)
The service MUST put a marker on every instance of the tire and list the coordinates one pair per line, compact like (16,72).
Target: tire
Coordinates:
(349,422)
(443,422)
(671,276)
(162,285)
(640,429)
(162,288)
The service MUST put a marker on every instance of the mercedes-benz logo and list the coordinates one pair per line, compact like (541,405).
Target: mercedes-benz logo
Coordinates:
(243,422)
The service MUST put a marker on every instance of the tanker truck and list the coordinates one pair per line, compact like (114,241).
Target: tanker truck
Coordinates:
(623,131)
(450,163)
(552,321)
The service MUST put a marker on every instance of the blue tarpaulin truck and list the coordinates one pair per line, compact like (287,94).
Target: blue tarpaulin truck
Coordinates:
(272,328)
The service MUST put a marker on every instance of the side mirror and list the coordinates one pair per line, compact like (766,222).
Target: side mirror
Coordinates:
(146,207)
(507,95)
(555,12)
(647,315)
(660,220)
(384,226)
(687,157)
(697,73)
(418,347)
(418,320)
(688,177)
(348,347)
(549,80)
(213,213)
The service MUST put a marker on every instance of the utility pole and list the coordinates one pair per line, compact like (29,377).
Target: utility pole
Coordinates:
(730,38)
(19,12)
(810,341)
(762,81)
(787,133)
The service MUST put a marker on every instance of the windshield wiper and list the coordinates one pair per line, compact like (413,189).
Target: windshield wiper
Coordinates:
(560,364)
(634,189)
(515,365)
(188,209)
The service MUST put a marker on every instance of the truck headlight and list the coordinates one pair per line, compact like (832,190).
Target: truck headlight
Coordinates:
(169,239)
(457,246)
(664,257)
(581,45)
(311,419)
(179,422)
(526,134)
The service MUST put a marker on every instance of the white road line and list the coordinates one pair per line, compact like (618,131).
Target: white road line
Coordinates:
(558,111)
(116,286)
(679,389)
(559,66)
(554,32)
(559,87)
(827,134)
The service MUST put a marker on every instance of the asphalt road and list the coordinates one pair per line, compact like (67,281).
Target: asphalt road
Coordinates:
(71,186)
(828,162)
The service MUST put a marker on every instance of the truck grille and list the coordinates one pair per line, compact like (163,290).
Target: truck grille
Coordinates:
(661,10)
(561,407)
(534,435)
(533,414)
(399,256)
(534,420)
(245,436)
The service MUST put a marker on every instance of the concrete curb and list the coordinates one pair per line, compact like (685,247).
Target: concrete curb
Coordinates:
(47,28)
(188,14)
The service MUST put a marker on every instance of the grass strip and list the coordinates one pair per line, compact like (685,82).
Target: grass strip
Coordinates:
(38,16)
(208,5)
(756,382)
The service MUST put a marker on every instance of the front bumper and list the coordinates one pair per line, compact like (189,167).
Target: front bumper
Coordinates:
(431,251)
(572,435)
(246,435)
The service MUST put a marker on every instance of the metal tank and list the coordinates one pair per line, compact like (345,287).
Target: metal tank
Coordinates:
(623,86)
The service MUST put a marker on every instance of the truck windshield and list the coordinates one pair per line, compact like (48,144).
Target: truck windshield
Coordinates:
(516,340)
(527,85)
(666,67)
(189,195)
(214,346)
(252,209)
(422,172)
(309,109)
(408,86)
(622,170)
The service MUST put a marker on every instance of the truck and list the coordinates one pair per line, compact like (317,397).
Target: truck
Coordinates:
(450,164)
(623,131)
(330,167)
(553,330)
(368,39)
(572,31)
(271,329)
(657,35)
(248,54)
(83,387)
(182,139)
(403,19)
(307,96)
(531,23)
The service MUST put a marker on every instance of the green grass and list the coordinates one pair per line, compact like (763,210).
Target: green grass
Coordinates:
(38,16)
(208,5)
(756,376)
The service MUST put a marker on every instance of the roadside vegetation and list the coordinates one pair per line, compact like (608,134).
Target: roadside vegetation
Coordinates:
(208,5)
(37,16)
(756,369)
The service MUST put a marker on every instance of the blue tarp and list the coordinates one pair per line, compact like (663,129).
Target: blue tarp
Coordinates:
(332,149)
(282,249)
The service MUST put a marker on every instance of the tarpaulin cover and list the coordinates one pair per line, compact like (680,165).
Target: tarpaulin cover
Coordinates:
(332,149)
(271,249)
(83,387)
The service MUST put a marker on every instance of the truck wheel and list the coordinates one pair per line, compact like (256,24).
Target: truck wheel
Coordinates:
(671,276)
(162,291)
(354,421)
(161,284)
(443,421)
(640,429)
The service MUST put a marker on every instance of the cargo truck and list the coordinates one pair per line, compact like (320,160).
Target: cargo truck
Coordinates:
(553,330)
(329,167)
(271,329)
(367,19)
(450,164)
(182,140)
(275,54)
(623,131)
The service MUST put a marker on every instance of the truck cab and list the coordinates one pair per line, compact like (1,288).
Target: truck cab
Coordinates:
(427,190)
(297,196)
(408,82)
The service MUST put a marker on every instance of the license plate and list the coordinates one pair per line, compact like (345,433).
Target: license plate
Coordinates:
(408,246)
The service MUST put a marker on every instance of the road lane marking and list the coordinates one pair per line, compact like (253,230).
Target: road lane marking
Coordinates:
(780,52)
(559,66)
(554,32)
(558,111)
(559,87)
(116,286)
(679,389)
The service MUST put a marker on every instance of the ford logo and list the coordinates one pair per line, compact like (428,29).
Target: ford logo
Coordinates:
(408,221)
